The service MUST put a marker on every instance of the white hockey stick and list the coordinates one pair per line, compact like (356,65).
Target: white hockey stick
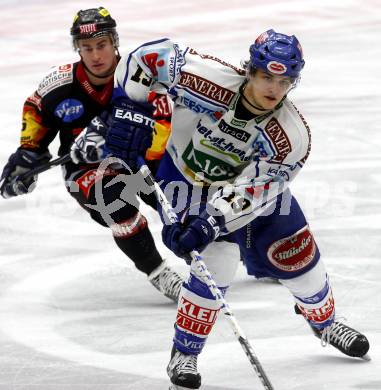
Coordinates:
(207,277)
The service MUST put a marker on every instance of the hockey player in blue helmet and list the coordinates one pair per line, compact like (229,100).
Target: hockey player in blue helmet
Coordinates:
(276,61)
(278,54)
(237,142)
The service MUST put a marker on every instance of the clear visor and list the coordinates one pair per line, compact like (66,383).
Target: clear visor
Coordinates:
(285,83)
(112,34)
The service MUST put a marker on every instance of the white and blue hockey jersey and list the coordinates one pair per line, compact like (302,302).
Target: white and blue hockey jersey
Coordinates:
(252,161)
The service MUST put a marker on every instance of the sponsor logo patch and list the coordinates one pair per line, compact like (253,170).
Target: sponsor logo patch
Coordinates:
(55,79)
(221,145)
(69,110)
(196,107)
(88,28)
(294,252)
(196,319)
(132,116)
(87,180)
(195,345)
(210,167)
(153,62)
(159,64)
(241,135)
(276,67)
(237,122)
(206,88)
(321,314)
(279,139)
(175,62)
(278,173)
(161,104)
(65,68)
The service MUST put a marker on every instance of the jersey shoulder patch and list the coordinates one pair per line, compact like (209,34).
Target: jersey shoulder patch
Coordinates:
(57,76)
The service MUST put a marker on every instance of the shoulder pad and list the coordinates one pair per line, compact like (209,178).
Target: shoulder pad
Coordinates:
(57,76)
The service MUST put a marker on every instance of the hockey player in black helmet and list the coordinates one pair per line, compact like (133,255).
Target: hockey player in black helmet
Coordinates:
(92,24)
(65,102)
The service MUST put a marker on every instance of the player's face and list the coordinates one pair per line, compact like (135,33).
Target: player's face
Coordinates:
(267,90)
(98,54)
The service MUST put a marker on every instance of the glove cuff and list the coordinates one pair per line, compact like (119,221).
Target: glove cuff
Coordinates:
(29,158)
(207,212)
(215,224)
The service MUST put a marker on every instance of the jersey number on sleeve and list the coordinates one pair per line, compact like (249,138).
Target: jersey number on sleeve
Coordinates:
(237,202)
(137,77)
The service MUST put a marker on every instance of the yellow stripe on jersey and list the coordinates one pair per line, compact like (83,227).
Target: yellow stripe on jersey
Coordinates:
(161,134)
(33,131)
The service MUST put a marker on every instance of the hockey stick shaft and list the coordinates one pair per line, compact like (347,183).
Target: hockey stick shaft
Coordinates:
(45,167)
(208,279)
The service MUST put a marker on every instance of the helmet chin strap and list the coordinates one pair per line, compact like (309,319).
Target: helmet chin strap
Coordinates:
(250,104)
(241,91)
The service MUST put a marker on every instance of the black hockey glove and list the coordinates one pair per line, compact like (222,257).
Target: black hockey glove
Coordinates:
(21,162)
(131,130)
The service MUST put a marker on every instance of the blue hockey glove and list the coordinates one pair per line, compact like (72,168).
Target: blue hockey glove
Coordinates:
(18,163)
(89,146)
(196,232)
(131,130)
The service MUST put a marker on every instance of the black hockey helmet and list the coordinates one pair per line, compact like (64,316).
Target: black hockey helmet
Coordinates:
(93,23)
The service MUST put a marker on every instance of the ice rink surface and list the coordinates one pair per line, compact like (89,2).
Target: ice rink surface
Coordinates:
(74,314)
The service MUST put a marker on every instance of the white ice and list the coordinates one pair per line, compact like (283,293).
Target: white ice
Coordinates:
(75,314)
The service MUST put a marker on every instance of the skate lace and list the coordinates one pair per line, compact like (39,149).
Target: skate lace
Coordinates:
(339,334)
(186,364)
(170,282)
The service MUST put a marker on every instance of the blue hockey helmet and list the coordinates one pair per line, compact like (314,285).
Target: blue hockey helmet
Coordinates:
(277,53)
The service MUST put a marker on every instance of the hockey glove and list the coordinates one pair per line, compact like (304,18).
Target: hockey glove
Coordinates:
(89,146)
(195,233)
(21,162)
(131,131)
